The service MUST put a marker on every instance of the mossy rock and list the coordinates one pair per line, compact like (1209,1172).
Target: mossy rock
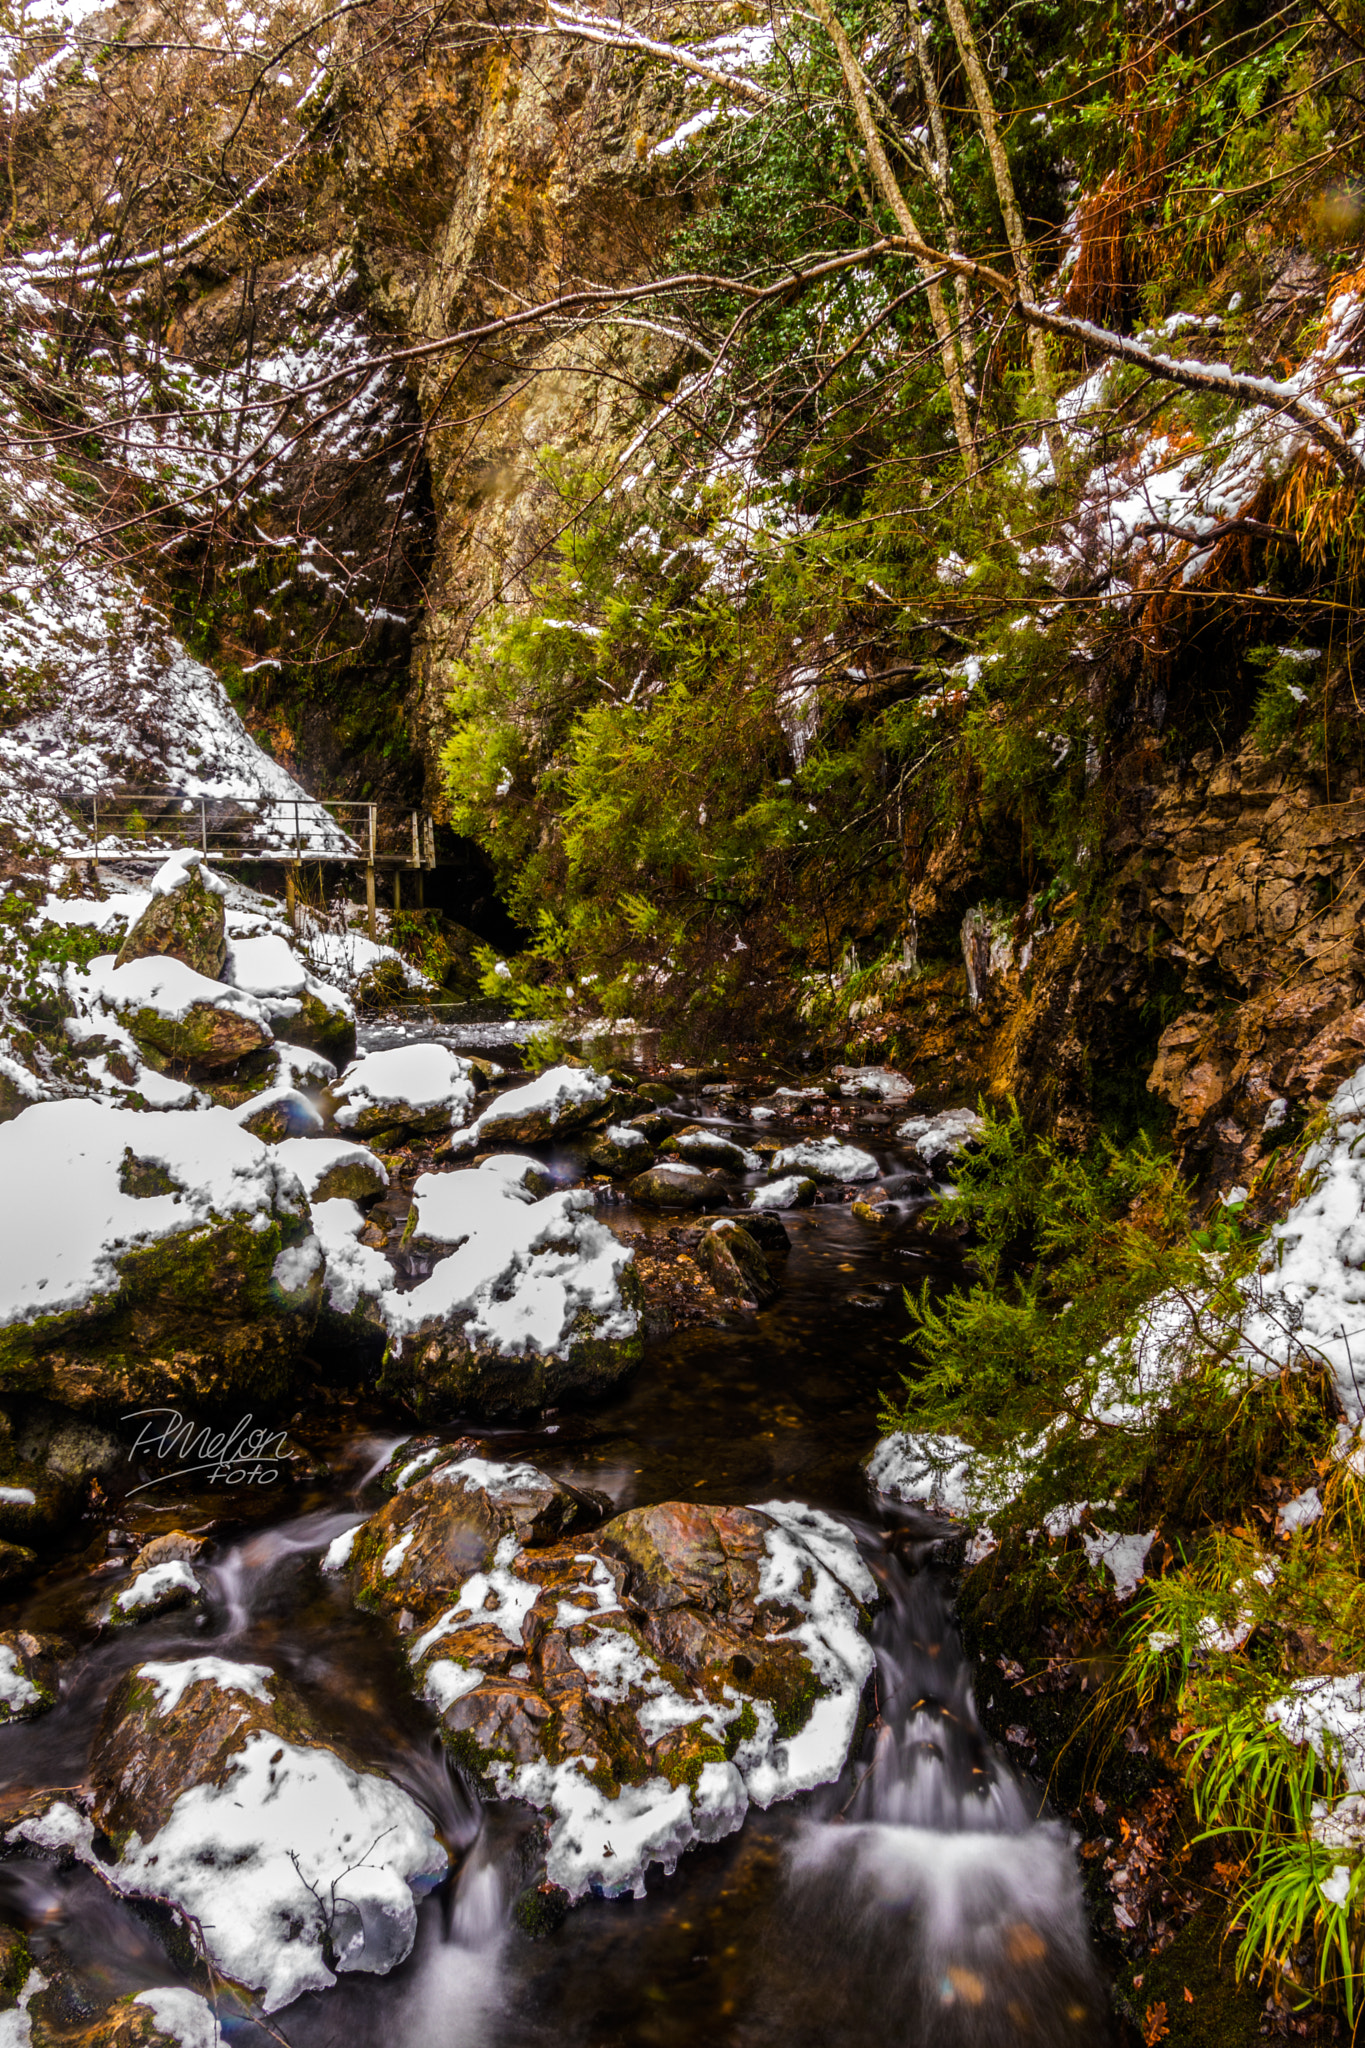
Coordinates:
(28,1673)
(656,1091)
(323,1027)
(606,1156)
(1191,1990)
(185,924)
(670,1187)
(197,1318)
(206,1037)
(441,1376)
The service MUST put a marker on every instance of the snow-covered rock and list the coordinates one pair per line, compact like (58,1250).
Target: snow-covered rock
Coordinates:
(642,1685)
(296,1864)
(299,1006)
(535,1298)
(561,1100)
(793,1191)
(825,1159)
(143,1256)
(408,1089)
(939,1139)
(177,1014)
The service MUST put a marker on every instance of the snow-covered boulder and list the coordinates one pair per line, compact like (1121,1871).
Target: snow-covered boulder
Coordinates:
(527,1300)
(406,1091)
(940,1139)
(299,1007)
(642,1684)
(793,1191)
(559,1101)
(875,1084)
(278,1113)
(329,1169)
(177,1015)
(825,1159)
(149,1256)
(619,1150)
(184,919)
(705,1147)
(219,1796)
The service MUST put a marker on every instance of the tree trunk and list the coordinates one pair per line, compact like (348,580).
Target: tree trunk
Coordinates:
(905,220)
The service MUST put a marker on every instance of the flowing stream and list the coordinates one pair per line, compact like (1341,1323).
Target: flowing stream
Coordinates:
(926,1898)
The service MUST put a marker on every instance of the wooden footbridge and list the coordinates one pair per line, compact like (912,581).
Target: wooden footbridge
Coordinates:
(132,825)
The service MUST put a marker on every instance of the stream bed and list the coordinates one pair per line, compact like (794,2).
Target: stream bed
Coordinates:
(926,1898)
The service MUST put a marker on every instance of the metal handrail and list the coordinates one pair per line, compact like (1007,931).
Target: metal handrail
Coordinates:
(148,823)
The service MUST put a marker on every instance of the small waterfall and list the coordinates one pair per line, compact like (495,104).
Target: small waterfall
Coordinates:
(929,1885)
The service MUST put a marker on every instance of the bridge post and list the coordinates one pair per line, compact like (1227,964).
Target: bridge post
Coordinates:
(397,890)
(369,880)
(291,899)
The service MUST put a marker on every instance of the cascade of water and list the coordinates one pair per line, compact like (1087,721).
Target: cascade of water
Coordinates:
(933,1886)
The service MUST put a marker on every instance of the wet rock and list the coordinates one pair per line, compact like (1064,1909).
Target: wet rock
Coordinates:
(28,1673)
(70,1447)
(652,1126)
(156,1589)
(169,2016)
(557,1103)
(639,1683)
(734,1263)
(218,1794)
(447,1525)
(408,1091)
(35,1503)
(703,1147)
(873,1211)
(672,1187)
(16,1563)
(657,1091)
(620,1150)
(907,1187)
(202,1294)
(767,1229)
(183,920)
(176,1546)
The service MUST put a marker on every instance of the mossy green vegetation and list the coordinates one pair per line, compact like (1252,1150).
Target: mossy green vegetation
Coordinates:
(1094,1360)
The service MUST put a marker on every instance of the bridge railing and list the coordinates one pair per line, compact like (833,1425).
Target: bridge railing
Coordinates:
(149,824)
